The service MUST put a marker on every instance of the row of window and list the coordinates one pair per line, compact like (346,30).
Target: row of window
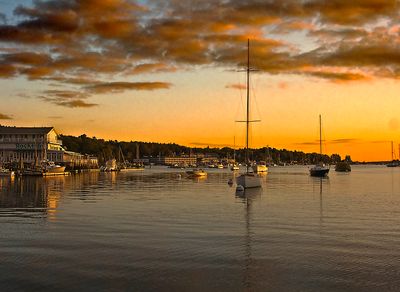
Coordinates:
(25,136)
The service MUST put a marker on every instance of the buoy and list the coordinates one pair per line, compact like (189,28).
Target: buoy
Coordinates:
(240,188)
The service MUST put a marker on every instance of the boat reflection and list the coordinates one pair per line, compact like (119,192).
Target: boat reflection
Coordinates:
(248,197)
(319,182)
(31,197)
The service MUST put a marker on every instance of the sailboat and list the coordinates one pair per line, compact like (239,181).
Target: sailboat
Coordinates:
(248,179)
(393,163)
(320,169)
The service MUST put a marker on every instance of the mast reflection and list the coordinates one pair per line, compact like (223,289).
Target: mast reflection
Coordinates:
(248,197)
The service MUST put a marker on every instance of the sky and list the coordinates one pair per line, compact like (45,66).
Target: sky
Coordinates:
(170,71)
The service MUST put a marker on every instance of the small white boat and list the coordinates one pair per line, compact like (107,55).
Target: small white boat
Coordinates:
(51,167)
(235,167)
(111,165)
(260,167)
(197,173)
(248,180)
(220,166)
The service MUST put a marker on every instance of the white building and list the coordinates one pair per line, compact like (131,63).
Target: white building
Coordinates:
(30,144)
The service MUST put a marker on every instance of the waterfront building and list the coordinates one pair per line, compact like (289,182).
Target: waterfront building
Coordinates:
(33,144)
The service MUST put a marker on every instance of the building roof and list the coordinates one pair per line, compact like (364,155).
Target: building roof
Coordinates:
(25,130)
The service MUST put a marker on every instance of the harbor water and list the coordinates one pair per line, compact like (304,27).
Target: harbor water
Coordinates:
(158,230)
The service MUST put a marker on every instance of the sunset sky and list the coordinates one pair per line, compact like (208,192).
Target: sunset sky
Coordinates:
(168,71)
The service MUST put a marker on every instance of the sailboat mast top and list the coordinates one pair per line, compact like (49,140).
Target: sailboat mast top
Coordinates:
(320,135)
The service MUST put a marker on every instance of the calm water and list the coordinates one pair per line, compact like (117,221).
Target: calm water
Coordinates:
(155,231)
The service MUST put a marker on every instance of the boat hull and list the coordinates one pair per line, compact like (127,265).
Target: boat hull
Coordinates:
(196,173)
(56,169)
(248,181)
(319,172)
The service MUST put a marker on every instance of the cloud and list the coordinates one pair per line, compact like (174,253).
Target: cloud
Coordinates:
(66,98)
(335,141)
(238,86)
(339,77)
(292,26)
(122,86)
(5,117)
(76,103)
(84,42)
(7,71)
(152,68)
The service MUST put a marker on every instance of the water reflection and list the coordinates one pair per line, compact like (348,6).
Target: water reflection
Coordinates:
(39,197)
(248,197)
(30,196)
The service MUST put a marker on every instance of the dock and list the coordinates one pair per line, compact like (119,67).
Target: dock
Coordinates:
(46,174)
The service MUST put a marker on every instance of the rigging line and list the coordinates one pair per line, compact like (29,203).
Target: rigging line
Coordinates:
(255,100)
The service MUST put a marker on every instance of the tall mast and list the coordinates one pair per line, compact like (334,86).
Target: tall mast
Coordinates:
(320,135)
(248,106)
(392,151)
(234,146)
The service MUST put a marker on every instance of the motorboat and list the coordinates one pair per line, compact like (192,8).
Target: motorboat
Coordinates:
(50,167)
(319,170)
(343,166)
(235,167)
(260,167)
(196,173)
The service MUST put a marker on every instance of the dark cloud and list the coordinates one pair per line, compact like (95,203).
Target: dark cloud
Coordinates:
(339,77)
(236,86)
(7,71)
(76,103)
(122,86)
(5,117)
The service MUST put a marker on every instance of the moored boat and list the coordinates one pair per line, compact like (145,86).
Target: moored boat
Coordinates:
(196,173)
(319,170)
(51,167)
(248,180)
(343,166)
(393,163)
(260,167)
(235,167)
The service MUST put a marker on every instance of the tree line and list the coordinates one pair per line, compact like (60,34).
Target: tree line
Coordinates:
(108,149)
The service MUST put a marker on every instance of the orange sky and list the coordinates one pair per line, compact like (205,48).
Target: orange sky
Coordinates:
(166,71)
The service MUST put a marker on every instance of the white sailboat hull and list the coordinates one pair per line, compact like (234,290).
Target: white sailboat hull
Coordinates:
(248,180)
